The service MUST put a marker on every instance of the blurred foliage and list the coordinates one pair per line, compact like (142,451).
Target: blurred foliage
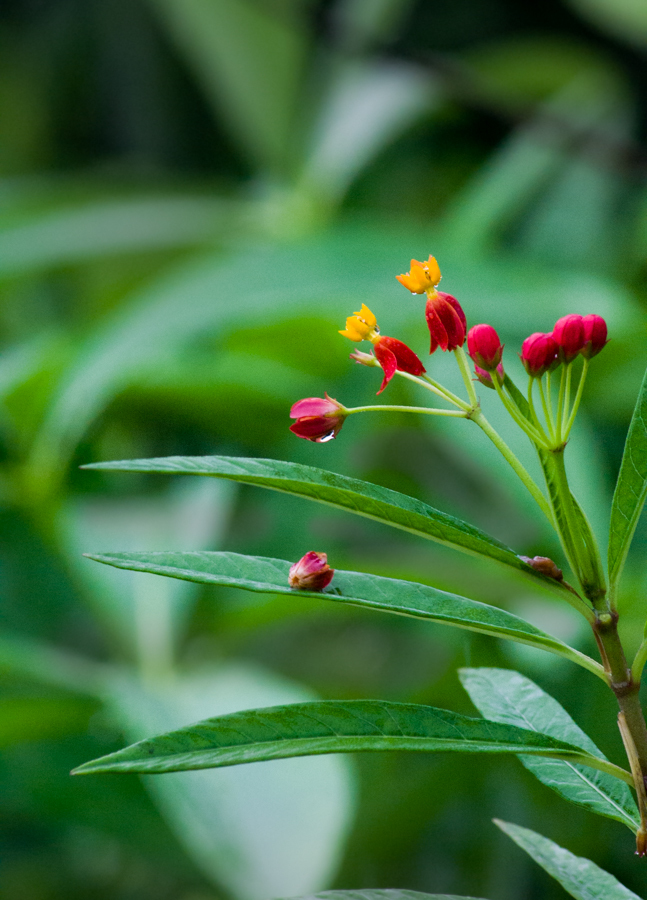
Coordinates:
(193,196)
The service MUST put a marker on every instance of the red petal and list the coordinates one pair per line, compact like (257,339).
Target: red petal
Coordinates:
(406,359)
(388,361)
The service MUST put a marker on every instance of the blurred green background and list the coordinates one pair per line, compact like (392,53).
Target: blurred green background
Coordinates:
(194,194)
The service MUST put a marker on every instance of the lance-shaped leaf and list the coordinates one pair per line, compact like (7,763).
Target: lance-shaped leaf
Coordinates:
(340,491)
(578,876)
(258,573)
(329,726)
(389,894)
(502,695)
(631,488)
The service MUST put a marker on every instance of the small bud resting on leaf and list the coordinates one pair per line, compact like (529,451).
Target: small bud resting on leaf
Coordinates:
(595,335)
(446,321)
(544,565)
(484,347)
(486,377)
(311,573)
(539,354)
(422,276)
(568,334)
(391,354)
(317,419)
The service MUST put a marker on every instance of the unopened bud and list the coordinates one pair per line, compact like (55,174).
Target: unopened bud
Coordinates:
(486,377)
(484,347)
(311,572)
(544,566)
(539,354)
(595,335)
(568,334)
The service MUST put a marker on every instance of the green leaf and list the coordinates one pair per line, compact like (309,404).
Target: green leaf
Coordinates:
(508,697)
(304,729)
(407,598)
(392,894)
(631,489)
(360,497)
(580,877)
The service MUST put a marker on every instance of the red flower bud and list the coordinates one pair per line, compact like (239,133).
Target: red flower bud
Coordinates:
(595,335)
(394,356)
(446,321)
(311,573)
(317,419)
(485,377)
(568,334)
(484,347)
(539,354)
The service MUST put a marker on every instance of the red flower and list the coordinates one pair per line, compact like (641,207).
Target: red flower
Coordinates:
(539,354)
(317,419)
(484,347)
(595,335)
(446,321)
(568,334)
(311,573)
(394,356)
(485,377)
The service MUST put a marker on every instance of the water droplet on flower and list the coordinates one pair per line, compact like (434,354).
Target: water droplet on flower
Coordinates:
(327,437)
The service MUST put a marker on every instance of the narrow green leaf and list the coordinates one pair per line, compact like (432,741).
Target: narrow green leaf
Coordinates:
(254,573)
(360,497)
(328,726)
(505,696)
(580,877)
(392,894)
(631,489)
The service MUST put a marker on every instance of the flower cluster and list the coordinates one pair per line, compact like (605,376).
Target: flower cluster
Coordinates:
(573,336)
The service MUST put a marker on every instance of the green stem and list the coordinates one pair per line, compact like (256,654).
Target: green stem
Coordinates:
(523,423)
(440,390)
(425,410)
(464,367)
(525,477)
(639,661)
(549,398)
(567,401)
(546,405)
(578,397)
(560,407)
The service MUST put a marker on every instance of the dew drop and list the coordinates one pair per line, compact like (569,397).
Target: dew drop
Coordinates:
(327,437)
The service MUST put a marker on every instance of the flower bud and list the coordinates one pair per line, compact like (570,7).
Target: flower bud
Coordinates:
(539,354)
(446,321)
(544,565)
(311,573)
(484,347)
(486,377)
(394,356)
(317,419)
(568,334)
(595,335)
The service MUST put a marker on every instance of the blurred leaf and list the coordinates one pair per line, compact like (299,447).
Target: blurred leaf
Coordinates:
(146,616)
(258,830)
(508,697)
(360,497)
(255,573)
(37,718)
(361,23)
(32,659)
(368,106)
(626,19)
(329,726)
(392,894)
(250,63)
(631,490)
(579,877)
(69,236)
